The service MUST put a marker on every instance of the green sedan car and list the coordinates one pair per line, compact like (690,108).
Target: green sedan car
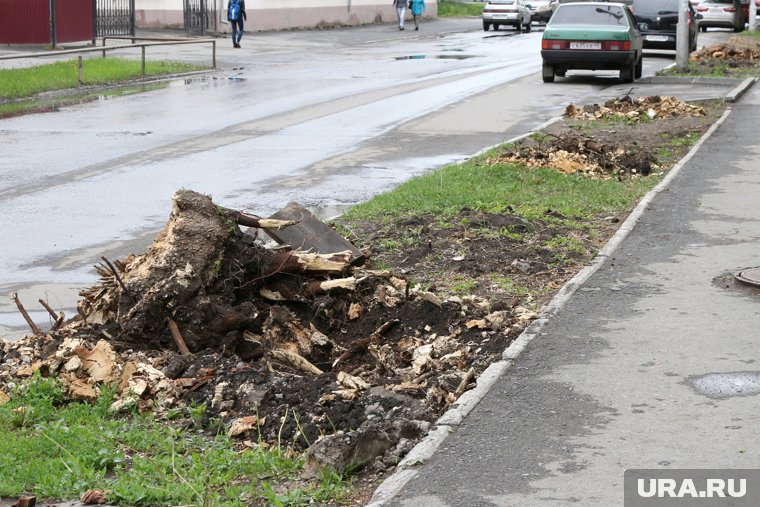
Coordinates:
(591,36)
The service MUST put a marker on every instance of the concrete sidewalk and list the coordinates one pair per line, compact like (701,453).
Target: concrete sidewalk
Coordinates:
(615,380)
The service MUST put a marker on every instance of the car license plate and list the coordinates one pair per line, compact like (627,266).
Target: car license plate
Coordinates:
(585,45)
(657,38)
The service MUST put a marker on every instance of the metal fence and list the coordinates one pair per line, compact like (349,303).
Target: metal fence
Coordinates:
(114,17)
(200,16)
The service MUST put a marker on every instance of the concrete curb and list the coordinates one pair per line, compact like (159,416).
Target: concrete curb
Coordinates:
(740,86)
(714,81)
(453,417)
(740,89)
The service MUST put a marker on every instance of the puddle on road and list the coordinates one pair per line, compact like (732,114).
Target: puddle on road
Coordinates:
(330,211)
(434,57)
(727,385)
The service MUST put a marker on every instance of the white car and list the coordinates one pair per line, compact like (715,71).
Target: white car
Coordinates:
(506,12)
(540,10)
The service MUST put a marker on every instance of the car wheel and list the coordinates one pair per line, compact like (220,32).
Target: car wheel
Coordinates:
(486,26)
(639,68)
(547,73)
(628,72)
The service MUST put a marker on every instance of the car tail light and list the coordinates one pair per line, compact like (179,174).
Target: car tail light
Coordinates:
(553,44)
(729,9)
(616,45)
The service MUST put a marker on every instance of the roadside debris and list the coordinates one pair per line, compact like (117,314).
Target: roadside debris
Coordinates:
(572,151)
(300,346)
(26,501)
(739,49)
(635,109)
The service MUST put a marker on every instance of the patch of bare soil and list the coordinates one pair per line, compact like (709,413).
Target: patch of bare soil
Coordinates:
(323,352)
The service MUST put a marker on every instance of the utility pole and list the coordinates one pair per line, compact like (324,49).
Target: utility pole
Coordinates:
(752,15)
(682,36)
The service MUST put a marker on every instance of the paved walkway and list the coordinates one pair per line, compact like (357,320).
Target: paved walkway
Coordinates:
(611,382)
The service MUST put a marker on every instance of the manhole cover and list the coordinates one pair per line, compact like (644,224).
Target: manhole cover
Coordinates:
(749,275)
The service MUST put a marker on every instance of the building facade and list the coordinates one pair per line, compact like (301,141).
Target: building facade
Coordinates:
(265,15)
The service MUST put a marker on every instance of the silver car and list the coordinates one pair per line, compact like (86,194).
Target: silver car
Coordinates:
(721,13)
(540,10)
(507,12)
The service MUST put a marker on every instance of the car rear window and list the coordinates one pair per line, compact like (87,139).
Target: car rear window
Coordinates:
(501,2)
(655,6)
(728,2)
(569,14)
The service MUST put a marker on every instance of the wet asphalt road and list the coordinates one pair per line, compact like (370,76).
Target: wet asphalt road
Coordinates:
(325,118)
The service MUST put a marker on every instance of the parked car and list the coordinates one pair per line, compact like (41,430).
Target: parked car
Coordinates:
(555,3)
(722,14)
(540,10)
(657,20)
(591,36)
(745,8)
(506,12)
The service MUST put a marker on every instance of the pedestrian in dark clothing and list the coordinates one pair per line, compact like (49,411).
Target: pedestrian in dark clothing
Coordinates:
(236,15)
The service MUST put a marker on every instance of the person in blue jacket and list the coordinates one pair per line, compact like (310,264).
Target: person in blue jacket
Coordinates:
(417,7)
(236,15)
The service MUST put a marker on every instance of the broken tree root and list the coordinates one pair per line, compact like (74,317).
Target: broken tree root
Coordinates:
(27,318)
(177,337)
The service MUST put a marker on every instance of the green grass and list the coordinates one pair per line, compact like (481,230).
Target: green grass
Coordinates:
(671,146)
(507,284)
(503,188)
(26,82)
(54,103)
(459,9)
(714,68)
(59,450)
(747,33)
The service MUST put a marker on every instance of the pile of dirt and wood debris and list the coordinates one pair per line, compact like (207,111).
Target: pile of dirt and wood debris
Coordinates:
(577,153)
(296,343)
(601,153)
(738,49)
(738,57)
(635,108)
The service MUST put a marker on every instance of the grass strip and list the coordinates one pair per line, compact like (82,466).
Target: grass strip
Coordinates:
(499,188)
(459,9)
(58,450)
(29,81)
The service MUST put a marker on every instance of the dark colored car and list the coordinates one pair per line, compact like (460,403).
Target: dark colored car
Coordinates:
(591,36)
(658,19)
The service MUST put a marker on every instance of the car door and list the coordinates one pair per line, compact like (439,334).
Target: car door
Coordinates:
(637,42)
(523,10)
